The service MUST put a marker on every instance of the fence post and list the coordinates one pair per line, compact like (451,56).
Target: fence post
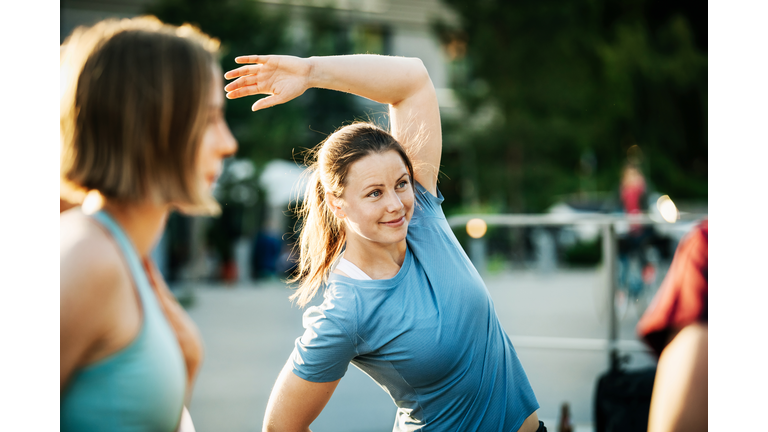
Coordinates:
(477,254)
(609,267)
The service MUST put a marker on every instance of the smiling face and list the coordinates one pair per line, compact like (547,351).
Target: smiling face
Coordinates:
(218,142)
(377,203)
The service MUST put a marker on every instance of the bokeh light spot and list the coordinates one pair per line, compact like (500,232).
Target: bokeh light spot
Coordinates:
(476,228)
(667,209)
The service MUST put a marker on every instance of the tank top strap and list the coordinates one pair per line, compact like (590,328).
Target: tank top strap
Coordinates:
(148,300)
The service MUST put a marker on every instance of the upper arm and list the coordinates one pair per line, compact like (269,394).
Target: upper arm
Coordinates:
(90,272)
(415,123)
(295,403)
(679,398)
(84,306)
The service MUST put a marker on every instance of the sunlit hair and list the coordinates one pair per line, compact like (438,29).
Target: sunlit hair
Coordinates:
(134,108)
(322,234)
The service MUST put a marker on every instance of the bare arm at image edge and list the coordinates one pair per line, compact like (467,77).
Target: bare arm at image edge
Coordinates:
(679,400)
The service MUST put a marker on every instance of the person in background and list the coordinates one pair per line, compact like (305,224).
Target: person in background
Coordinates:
(142,134)
(636,248)
(403,302)
(632,191)
(675,327)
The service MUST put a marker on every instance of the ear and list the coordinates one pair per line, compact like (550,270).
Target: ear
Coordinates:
(334,204)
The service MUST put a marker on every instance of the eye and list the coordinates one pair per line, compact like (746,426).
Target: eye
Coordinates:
(375,194)
(402,184)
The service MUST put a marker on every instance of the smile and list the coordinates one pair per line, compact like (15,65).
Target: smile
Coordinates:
(395,223)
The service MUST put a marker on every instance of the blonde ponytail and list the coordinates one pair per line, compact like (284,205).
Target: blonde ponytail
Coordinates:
(322,240)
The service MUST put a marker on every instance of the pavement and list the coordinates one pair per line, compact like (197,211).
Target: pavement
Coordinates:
(557,322)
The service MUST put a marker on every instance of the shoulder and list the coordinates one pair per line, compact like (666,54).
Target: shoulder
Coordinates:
(339,306)
(91,265)
(427,203)
(340,299)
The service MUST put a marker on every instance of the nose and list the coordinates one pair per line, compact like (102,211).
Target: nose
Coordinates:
(394,204)
(226,141)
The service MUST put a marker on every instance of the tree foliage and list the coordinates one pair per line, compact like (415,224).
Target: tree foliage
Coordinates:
(557,91)
(245,27)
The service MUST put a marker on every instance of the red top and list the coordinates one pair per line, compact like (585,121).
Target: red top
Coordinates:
(682,298)
(630,196)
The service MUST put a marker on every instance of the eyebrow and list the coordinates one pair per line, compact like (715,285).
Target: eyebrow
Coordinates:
(381,185)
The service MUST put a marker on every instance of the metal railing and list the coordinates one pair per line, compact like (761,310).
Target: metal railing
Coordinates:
(607,223)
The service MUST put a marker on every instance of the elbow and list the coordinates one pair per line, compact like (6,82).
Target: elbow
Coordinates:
(421,75)
(414,81)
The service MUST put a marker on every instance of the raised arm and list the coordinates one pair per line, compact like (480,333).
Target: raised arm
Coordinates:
(402,83)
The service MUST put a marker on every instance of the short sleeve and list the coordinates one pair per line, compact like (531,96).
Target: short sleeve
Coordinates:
(323,352)
(427,204)
(682,297)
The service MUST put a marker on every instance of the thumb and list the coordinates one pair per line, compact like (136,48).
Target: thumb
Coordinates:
(267,102)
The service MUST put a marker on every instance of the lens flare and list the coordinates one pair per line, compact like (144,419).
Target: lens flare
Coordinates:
(476,228)
(667,209)
(92,202)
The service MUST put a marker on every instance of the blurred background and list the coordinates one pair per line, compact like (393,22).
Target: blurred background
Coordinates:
(567,118)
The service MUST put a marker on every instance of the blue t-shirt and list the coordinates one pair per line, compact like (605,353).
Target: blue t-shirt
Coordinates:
(429,336)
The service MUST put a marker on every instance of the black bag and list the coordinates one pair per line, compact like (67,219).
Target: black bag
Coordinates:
(623,400)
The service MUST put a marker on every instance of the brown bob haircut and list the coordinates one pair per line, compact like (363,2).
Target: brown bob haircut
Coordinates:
(134,109)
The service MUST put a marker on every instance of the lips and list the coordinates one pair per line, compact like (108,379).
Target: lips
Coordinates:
(212,177)
(395,223)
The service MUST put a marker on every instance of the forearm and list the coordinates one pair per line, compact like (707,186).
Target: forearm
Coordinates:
(384,79)
(402,83)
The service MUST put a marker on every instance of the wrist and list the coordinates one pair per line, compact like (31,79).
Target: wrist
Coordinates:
(312,78)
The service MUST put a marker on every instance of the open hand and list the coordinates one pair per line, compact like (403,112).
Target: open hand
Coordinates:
(282,77)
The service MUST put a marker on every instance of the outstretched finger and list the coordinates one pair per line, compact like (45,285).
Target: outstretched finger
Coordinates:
(241,82)
(241,71)
(250,59)
(245,91)
(241,92)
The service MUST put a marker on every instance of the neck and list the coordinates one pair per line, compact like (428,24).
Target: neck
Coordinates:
(143,222)
(374,259)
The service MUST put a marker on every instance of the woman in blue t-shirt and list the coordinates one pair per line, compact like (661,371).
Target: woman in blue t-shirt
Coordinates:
(402,301)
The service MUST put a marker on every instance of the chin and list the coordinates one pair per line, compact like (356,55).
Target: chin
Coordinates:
(399,237)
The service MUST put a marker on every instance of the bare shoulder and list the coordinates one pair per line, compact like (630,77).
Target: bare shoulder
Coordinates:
(94,286)
(90,259)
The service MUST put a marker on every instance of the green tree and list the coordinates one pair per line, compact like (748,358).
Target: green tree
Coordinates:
(244,27)
(546,85)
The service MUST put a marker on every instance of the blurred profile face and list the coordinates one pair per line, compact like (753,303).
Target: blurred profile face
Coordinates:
(377,203)
(218,142)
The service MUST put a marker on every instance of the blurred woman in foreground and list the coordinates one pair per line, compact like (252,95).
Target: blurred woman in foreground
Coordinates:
(142,128)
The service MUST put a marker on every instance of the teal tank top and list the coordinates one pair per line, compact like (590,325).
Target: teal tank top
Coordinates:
(139,388)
